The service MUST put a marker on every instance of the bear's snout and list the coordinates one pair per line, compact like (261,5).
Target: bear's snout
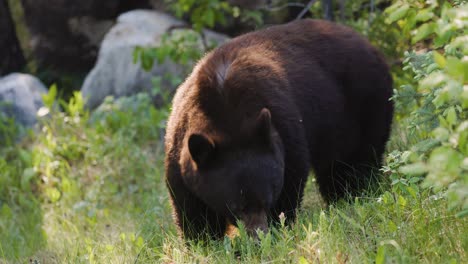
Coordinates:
(256,220)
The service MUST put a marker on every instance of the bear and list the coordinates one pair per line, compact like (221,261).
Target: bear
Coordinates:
(261,111)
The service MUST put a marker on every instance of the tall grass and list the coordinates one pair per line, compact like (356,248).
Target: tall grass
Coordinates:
(91,190)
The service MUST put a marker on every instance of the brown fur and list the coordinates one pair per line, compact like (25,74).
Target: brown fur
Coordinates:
(273,104)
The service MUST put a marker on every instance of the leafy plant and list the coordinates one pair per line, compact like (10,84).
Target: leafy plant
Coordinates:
(439,99)
(203,13)
(181,47)
(8,130)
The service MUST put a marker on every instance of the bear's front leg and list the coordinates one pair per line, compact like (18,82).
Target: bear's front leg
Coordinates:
(195,220)
(292,193)
(296,171)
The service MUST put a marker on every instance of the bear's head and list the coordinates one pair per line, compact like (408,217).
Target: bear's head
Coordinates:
(238,180)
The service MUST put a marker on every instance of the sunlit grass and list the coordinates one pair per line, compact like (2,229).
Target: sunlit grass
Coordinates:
(93,192)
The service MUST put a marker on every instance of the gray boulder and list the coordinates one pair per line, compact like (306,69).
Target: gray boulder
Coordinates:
(115,73)
(21,97)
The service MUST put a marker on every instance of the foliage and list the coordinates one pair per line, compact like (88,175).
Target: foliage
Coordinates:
(204,13)
(437,100)
(209,13)
(366,16)
(110,204)
(89,188)
(182,47)
(8,127)
(76,170)
(20,215)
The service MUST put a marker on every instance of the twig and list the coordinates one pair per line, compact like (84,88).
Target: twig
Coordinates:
(306,8)
(277,8)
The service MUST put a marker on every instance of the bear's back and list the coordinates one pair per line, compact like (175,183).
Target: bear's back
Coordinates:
(300,71)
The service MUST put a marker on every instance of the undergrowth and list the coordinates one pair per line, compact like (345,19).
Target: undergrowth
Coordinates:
(90,189)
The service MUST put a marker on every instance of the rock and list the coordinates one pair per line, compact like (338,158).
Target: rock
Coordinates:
(115,73)
(65,34)
(12,58)
(21,97)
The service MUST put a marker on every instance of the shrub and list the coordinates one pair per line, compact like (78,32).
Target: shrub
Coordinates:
(435,105)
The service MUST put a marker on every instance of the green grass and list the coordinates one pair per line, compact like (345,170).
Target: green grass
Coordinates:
(91,190)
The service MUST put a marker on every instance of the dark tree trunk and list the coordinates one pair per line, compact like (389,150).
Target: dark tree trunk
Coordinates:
(11,56)
(328,9)
(342,10)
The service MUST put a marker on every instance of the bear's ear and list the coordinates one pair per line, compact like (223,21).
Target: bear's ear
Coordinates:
(263,128)
(200,148)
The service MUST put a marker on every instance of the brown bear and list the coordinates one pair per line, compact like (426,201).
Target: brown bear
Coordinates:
(257,113)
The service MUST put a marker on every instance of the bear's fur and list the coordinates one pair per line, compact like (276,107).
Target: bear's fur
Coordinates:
(257,113)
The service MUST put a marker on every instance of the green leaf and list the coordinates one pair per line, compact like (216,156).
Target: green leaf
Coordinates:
(28,174)
(441,134)
(426,145)
(439,59)
(423,32)
(392,8)
(424,15)
(413,191)
(227,244)
(136,54)
(25,156)
(351,221)
(442,38)
(52,194)
(236,12)
(402,201)
(414,169)
(220,18)
(457,68)
(6,212)
(433,80)
(139,243)
(66,185)
(454,90)
(209,18)
(406,155)
(461,43)
(161,54)
(392,227)
(464,97)
(303,260)
(463,137)
(462,214)
(443,121)
(50,97)
(398,14)
(451,116)
(380,257)
(446,160)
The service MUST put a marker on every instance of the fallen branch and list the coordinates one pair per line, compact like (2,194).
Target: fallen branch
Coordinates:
(306,8)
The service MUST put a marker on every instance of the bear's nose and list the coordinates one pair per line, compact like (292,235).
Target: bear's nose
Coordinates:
(255,220)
